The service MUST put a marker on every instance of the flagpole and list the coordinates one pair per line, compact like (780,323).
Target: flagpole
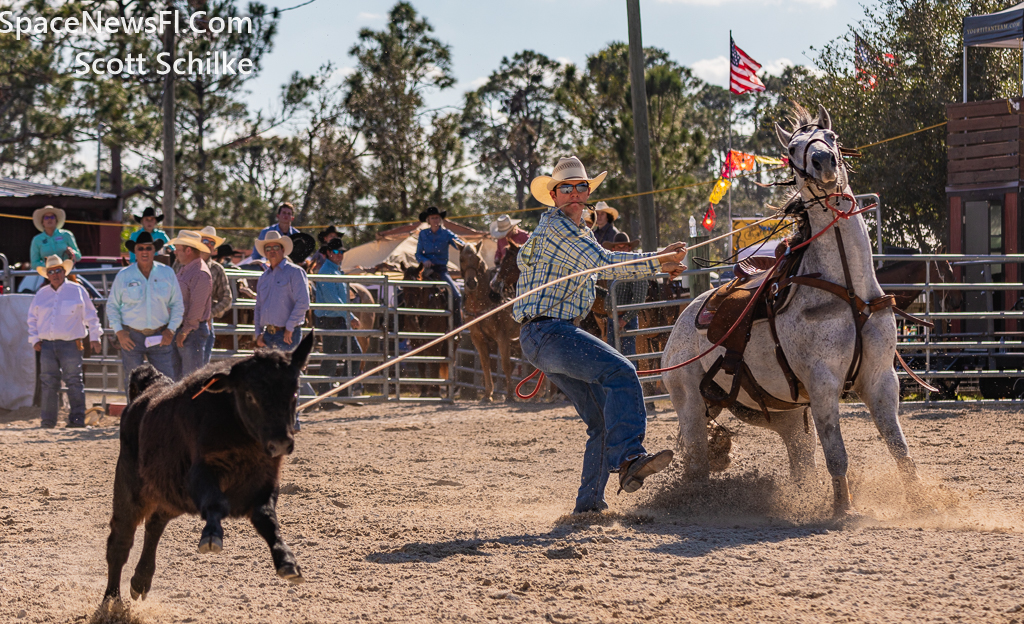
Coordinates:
(728,196)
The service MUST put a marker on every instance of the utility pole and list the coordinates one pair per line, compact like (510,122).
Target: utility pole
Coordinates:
(99,154)
(641,134)
(168,105)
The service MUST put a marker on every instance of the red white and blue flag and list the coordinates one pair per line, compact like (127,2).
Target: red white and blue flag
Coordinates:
(743,71)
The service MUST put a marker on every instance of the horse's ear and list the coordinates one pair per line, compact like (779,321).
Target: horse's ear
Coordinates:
(824,119)
(477,246)
(301,353)
(784,137)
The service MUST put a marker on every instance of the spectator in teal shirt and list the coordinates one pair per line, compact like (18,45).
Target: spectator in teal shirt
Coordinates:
(52,239)
(149,218)
(337,293)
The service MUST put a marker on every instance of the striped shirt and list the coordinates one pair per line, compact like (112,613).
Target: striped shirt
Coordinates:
(557,248)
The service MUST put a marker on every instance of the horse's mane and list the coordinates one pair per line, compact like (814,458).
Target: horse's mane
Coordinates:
(800,116)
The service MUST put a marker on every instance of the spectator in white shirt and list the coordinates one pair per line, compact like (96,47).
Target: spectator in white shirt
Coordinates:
(60,318)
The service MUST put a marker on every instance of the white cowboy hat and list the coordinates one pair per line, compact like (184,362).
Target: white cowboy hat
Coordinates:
(503,225)
(54,261)
(211,232)
(604,207)
(274,237)
(37,217)
(190,239)
(567,169)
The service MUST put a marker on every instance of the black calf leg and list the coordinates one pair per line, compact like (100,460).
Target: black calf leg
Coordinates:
(127,515)
(213,506)
(142,580)
(264,518)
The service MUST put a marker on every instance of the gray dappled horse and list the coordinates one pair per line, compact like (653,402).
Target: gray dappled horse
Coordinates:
(816,331)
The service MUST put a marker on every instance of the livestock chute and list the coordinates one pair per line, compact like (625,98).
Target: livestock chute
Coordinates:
(1003,29)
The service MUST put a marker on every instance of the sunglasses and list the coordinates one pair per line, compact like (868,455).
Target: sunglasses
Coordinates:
(139,248)
(47,217)
(273,247)
(582,187)
(209,242)
(55,271)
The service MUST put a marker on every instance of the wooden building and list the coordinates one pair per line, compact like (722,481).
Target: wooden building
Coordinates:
(21,198)
(985,177)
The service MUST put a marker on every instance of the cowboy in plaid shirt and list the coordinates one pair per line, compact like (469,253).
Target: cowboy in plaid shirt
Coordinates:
(600,382)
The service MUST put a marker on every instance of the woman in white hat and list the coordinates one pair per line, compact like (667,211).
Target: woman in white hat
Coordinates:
(60,318)
(604,229)
(601,383)
(503,230)
(52,239)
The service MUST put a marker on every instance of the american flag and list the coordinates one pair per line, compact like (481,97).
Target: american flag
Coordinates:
(743,71)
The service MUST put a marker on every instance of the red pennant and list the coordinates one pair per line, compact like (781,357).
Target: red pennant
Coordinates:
(709,218)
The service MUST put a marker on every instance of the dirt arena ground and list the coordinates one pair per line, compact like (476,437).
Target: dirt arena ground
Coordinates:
(456,513)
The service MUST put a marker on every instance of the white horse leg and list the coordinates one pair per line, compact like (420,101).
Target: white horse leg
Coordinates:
(824,391)
(881,394)
(799,443)
(683,386)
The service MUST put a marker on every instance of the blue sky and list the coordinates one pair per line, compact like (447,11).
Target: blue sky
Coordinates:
(481,32)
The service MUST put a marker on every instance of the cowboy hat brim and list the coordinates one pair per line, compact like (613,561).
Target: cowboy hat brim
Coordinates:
(194,243)
(611,211)
(285,241)
(441,213)
(138,218)
(217,240)
(67,264)
(37,217)
(497,233)
(541,186)
(158,244)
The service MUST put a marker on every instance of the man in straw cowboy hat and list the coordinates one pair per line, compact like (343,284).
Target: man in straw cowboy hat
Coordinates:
(53,239)
(505,229)
(282,296)
(145,308)
(196,285)
(285,216)
(604,228)
(60,317)
(601,383)
(148,219)
(221,299)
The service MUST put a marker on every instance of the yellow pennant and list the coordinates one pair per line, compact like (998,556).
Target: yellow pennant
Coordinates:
(718,191)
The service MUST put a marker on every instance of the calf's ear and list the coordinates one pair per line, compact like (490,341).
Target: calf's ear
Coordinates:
(301,353)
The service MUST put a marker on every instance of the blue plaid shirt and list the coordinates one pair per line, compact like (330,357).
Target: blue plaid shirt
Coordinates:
(557,248)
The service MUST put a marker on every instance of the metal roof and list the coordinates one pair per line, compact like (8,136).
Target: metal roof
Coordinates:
(10,187)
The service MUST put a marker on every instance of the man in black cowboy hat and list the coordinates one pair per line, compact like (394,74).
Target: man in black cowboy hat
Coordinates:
(145,308)
(334,292)
(432,252)
(149,218)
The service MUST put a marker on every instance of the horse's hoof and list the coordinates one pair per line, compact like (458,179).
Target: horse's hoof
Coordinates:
(211,544)
(487,399)
(847,518)
(511,398)
(137,595)
(291,573)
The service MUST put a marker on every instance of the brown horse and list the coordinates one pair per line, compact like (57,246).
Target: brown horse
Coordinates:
(500,328)
(913,272)
(426,298)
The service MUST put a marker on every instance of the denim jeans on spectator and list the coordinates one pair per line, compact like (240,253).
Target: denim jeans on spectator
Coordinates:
(162,358)
(442,275)
(276,341)
(61,359)
(336,345)
(605,390)
(189,357)
(208,349)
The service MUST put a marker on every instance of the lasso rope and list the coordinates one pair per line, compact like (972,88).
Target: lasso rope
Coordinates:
(490,313)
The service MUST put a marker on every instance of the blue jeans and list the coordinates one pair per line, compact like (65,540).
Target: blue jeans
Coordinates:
(276,341)
(208,350)
(162,358)
(443,276)
(189,357)
(606,392)
(61,359)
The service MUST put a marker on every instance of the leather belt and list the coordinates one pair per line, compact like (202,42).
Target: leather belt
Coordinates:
(541,318)
(273,329)
(147,332)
